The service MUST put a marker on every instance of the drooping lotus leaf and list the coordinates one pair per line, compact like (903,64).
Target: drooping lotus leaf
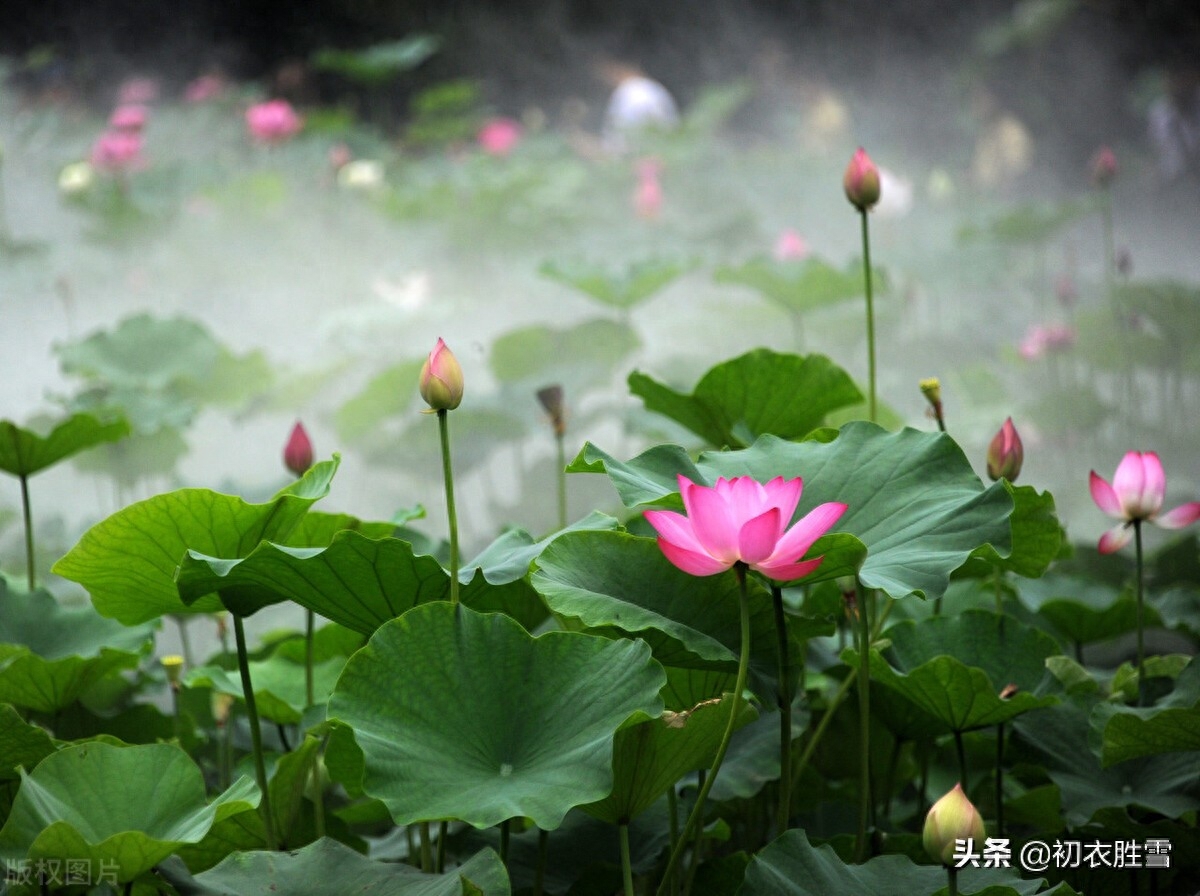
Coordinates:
(619,289)
(329,868)
(21,745)
(1171,726)
(279,685)
(144,352)
(799,286)
(1030,224)
(753,757)
(791,866)
(912,497)
(317,529)
(122,808)
(1085,610)
(578,357)
(465,715)
(759,392)
(24,452)
(379,62)
(50,654)
(649,757)
(128,561)
(1037,536)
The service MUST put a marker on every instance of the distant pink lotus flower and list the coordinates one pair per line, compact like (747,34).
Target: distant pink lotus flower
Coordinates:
(1136,495)
(273,121)
(129,118)
(1104,166)
(298,453)
(1040,338)
(117,151)
(499,136)
(137,92)
(791,246)
(204,88)
(742,521)
(648,195)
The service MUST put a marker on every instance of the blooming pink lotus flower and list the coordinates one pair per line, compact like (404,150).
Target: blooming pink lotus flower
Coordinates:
(116,151)
(1104,166)
(499,136)
(441,381)
(273,121)
(298,453)
(1136,495)
(742,521)
(129,118)
(791,246)
(861,181)
(1005,454)
(648,195)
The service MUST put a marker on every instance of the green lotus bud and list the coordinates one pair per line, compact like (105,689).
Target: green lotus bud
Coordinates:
(950,819)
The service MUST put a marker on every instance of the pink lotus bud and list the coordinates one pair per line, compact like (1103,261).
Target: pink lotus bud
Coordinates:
(441,383)
(117,151)
(298,453)
(340,155)
(551,398)
(1005,454)
(499,136)
(273,121)
(950,819)
(1104,167)
(861,181)
(791,246)
(128,118)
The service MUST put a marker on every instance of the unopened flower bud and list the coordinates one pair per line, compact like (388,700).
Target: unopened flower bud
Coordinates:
(950,819)
(441,383)
(173,667)
(298,453)
(932,390)
(221,704)
(1005,454)
(1104,167)
(551,398)
(861,181)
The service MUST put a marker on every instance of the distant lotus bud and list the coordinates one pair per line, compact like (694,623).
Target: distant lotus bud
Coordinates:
(952,818)
(499,136)
(298,453)
(76,178)
(1005,454)
(861,181)
(1104,167)
(791,246)
(128,118)
(221,705)
(441,383)
(117,151)
(173,667)
(932,390)
(273,121)
(551,398)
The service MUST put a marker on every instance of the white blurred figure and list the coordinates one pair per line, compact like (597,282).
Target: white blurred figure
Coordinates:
(895,195)
(1174,125)
(637,103)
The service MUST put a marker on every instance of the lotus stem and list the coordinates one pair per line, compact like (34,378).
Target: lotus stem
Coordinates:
(505,833)
(440,863)
(784,809)
(319,790)
(961,750)
(695,819)
(260,769)
(560,450)
(309,691)
(864,716)
(1141,612)
(811,747)
(452,517)
(952,875)
(626,866)
(866,243)
(185,641)
(426,852)
(1000,780)
(539,874)
(30,570)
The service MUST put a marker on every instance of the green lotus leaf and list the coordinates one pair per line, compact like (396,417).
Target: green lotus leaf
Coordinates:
(912,497)
(388,394)
(317,529)
(1084,610)
(279,685)
(753,757)
(800,286)
(24,452)
(1172,726)
(465,715)
(380,62)
(124,808)
(1037,535)
(129,560)
(739,400)
(791,866)
(619,289)
(649,757)
(144,352)
(21,745)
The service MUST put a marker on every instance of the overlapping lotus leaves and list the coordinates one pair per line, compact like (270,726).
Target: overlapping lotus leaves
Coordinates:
(912,497)
(753,757)
(619,289)
(24,452)
(799,286)
(578,356)
(50,654)
(1085,610)
(279,685)
(465,715)
(1172,726)
(1037,535)
(21,745)
(129,560)
(122,808)
(739,400)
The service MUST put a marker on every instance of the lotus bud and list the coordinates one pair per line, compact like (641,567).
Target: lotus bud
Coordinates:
(441,383)
(1104,167)
(551,399)
(221,705)
(298,453)
(173,667)
(76,178)
(932,390)
(950,819)
(1005,454)
(861,181)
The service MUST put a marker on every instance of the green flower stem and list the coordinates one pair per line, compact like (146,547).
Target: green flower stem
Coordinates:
(1000,780)
(25,507)
(440,863)
(426,852)
(861,847)
(319,790)
(696,818)
(309,624)
(961,750)
(784,810)
(866,242)
(626,866)
(505,832)
(448,476)
(838,696)
(952,874)
(562,480)
(260,769)
(539,874)
(185,641)
(1141,605)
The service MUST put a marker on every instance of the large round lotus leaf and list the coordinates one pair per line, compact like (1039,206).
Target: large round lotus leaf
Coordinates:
(122,808)
(912,497)
(21,744)
(128,561)
(1172,726)
(144,352)
(739,400)
(1085,610)
(465,715)
(620,289)
(800,286)
(24,452)
(279,685)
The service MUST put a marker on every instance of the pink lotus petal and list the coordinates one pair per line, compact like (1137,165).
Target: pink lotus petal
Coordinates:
(784,494)
(1115,539)
(756,540)
(1104,496)
(788,572)
(747,499)
(675,528)
(691,562)
(1129,483)
(1181,516)
(796,542)
(1154,487)
(714,525)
